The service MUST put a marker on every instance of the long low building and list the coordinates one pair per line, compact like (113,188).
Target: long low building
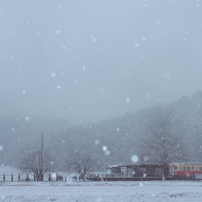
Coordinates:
(143,170)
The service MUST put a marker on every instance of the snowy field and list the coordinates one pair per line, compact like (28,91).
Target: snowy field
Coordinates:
(101,191)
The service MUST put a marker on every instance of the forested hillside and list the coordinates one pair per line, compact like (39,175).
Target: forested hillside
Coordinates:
(159,134)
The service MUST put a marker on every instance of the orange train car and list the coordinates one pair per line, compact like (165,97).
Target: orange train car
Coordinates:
(185,171)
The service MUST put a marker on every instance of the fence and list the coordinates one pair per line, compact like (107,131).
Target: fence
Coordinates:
(31,177)
(108,175)
(118,177)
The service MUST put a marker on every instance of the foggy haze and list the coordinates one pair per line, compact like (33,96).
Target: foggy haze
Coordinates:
(86,61)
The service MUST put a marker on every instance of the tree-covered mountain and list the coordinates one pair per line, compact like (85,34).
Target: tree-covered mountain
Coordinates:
(159,134)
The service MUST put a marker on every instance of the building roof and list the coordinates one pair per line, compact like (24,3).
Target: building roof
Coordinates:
(135,165)
(187,163)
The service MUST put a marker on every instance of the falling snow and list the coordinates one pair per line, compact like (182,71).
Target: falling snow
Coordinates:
(148,95)
(53,74)
(53,175)
(146,158)
(134,158)
(104,148)
(107,152)
(27,118)
(166,74)
(143,38)
(93,38)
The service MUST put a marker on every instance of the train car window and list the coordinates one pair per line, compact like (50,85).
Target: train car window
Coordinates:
(192,168)
(184,168)
(180,168)
(175,167)
(200,168)
(197,168)
(188,168)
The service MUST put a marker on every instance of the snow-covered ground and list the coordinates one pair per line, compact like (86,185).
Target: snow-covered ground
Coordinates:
(175,191)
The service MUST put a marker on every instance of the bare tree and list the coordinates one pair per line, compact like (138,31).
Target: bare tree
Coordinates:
(81,162)
(163,135)
(37,162)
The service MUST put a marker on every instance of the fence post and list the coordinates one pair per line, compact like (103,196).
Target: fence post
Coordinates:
(4,177)
(27,178)
(11,177)
(56,177)
(18,177)
(49,177)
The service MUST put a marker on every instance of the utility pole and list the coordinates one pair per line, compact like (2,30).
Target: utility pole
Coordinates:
(42,156)
(42,143)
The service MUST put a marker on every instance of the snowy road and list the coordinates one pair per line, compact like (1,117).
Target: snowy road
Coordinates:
(102,192)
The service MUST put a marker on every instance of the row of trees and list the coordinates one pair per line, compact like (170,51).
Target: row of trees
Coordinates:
(40,162)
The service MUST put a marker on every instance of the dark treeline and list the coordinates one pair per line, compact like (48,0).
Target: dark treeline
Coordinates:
(160,134)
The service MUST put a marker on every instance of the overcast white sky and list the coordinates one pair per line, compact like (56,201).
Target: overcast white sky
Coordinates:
(96,59)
